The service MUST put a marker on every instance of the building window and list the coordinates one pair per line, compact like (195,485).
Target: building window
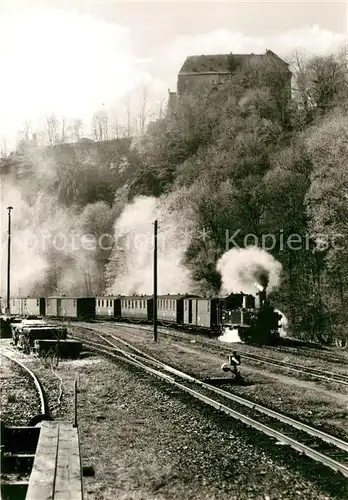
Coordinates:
(208,306)
(37,302)
(185,305)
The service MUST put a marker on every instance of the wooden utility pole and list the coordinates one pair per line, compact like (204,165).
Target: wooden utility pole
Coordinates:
(8,260)
(155,284)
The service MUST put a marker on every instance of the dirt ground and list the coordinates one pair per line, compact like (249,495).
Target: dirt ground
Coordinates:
(148,441)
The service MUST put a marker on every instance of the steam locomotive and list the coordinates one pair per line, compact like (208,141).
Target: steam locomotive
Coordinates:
(253,317)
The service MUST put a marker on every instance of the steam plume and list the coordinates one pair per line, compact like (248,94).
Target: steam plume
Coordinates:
(230,335)
(46,252)
(241,268)
(132,261)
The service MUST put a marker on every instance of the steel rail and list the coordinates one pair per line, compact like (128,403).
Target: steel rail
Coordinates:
(339,443)
(316,373)
(283,438)
(255,406)
(43,403)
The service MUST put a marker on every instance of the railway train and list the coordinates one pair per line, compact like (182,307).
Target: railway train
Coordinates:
(254,317)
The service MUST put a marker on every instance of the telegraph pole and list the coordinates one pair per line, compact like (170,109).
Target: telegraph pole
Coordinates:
(8,259)
(155,283)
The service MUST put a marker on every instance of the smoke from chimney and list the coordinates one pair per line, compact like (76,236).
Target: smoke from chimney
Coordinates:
(244,269)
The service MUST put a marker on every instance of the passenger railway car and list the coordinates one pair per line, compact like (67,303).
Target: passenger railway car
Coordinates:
(70,307)
(137,307)
(202,312)
(108,307)
(253,317)
(170,308)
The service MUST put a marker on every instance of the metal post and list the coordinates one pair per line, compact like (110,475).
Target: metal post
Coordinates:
(8,308)
(155,284)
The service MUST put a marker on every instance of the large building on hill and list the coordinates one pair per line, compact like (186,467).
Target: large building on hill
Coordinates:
(215,70)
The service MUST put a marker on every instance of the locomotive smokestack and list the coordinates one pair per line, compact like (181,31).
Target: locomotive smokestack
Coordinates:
(260,296)
(259,287)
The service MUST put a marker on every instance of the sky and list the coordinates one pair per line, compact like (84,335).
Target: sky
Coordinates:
(76,57)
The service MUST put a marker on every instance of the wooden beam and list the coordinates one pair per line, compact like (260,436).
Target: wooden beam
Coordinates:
(42,478)
(68,474)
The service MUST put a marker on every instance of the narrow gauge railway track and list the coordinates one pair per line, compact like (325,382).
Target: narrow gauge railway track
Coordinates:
(167,329)
(44,408)
(332,377)
(319,446)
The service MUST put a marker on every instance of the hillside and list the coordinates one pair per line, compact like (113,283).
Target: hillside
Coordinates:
(240,166)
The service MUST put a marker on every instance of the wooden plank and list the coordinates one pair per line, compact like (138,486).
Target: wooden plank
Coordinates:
(42,478)
(68,484)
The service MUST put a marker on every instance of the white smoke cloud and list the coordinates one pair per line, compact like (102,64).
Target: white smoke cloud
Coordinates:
(47,248)
(230,335)
(241,268)
(134,248)
(283,324)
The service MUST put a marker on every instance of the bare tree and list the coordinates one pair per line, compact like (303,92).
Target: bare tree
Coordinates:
(77,129)
(100,125)
(116,128)
(318,81)
(27,130)
(128,111)
(52,129)
(162,108)
(3,150)
(63,136)
(144,112)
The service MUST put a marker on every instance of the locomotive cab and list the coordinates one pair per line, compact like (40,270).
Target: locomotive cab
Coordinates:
(253,317)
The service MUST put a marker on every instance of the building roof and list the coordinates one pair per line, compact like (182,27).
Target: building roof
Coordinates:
(107,297)
(221,63)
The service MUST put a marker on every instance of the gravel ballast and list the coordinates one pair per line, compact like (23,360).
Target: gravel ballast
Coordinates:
(147,440)
(19,398)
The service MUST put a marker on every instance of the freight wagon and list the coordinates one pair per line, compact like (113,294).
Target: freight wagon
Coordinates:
(28,306)
(70,307)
